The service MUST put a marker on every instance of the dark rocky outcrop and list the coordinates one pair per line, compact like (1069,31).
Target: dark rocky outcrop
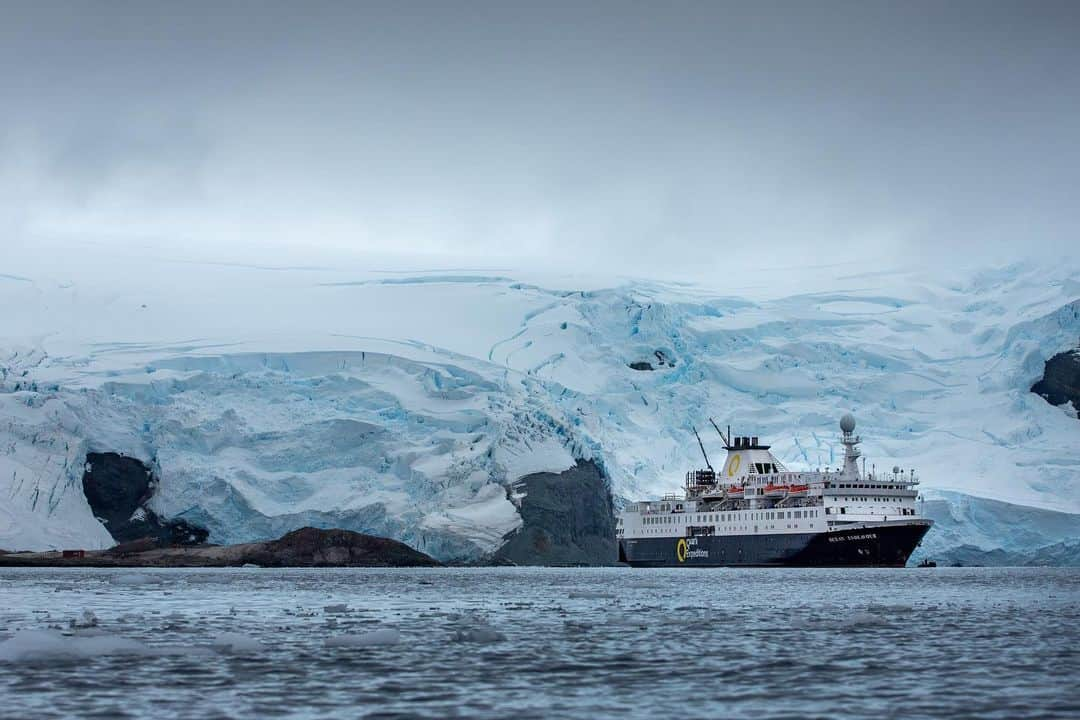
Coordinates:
(311,547)
(118,489)
(662,360)
(1060,382)
(307,547)
(568,520)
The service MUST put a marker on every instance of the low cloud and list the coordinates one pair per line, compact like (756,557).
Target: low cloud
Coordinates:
(692,138)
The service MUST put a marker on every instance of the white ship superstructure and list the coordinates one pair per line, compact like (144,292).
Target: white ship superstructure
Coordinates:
(756,511)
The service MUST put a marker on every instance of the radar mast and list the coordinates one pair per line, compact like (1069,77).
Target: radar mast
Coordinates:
(850,442)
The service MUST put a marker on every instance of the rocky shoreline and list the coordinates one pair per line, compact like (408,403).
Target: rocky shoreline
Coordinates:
(306,547)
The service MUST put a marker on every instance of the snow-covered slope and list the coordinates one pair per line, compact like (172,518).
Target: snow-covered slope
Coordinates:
(405,402)
(938,375)
(252,445)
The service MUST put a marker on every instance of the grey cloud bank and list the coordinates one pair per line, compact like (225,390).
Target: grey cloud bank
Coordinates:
(655,139)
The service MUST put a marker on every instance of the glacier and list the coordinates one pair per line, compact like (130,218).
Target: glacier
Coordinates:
(250,446)
(408,402)
(972,530)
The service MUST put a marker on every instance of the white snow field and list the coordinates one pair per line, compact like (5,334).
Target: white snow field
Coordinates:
(405,402)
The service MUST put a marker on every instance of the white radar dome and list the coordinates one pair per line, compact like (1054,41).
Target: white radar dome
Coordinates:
(847,423)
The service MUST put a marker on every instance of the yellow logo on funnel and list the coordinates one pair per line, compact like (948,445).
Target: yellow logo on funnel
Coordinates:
(681,550)
(733,466)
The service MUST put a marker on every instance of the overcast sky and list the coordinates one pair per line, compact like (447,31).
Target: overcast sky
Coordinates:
(651,137)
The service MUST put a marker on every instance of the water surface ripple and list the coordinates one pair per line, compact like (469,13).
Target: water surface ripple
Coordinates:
(532,643)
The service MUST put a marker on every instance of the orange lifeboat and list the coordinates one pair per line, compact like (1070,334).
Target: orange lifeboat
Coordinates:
(734,490)
(798,488)
(776,489)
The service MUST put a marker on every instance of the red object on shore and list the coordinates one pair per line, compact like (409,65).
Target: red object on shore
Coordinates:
(74,553)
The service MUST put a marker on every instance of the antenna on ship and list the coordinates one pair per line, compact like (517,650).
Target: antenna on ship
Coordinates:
(725,438)
(702,446)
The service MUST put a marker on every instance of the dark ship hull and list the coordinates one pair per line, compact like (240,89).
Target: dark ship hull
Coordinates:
(868,545)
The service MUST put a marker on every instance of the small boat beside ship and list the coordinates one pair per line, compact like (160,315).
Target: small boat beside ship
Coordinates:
(757,512)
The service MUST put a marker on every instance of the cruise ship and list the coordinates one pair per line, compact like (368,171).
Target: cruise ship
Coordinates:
(757,512)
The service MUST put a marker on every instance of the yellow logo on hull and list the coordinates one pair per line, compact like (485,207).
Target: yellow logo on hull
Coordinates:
(681,550)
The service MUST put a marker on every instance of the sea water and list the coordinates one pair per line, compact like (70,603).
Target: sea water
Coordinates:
(523,643)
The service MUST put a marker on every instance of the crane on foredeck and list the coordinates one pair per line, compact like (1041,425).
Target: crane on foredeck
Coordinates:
(702,446)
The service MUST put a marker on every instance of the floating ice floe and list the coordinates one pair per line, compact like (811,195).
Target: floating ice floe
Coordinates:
(40,645)
(135,579)
(591,595)
(336,609)
(236,643)
(890,609)
(864,619)
(385,636)
(478,634)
